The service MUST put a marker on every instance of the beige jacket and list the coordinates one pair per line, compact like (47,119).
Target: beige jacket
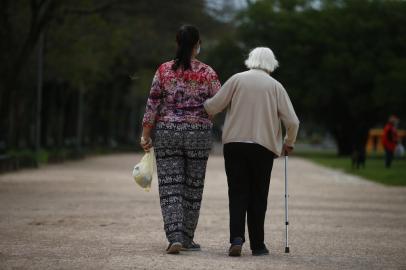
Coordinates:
(256,104)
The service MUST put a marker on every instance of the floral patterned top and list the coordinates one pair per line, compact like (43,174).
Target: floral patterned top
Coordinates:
(178,96)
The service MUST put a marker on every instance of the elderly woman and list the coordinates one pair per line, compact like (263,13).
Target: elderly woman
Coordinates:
(182,130)
(252,136)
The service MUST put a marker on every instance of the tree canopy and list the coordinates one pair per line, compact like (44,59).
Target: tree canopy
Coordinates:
(341,61)
(99,58)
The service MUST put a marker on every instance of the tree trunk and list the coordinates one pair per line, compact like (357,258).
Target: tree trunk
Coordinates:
(344,146)
(61,118)
(350,139)
(39,93)
(343,138)
(79,123)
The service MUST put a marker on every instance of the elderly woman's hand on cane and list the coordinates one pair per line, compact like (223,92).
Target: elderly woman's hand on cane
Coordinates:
(286,150)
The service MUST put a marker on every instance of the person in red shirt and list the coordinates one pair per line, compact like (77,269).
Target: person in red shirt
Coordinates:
(390,139)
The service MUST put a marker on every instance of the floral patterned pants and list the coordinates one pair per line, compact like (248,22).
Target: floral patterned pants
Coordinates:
(181,151)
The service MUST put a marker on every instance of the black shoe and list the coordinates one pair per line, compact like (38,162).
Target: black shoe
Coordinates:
(236,247)
(192,246)
(260,252)
(174,248)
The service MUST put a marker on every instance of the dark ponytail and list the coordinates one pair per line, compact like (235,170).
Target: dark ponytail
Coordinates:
(186,38)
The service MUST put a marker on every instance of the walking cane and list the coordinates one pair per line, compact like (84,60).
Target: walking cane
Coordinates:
(286,205)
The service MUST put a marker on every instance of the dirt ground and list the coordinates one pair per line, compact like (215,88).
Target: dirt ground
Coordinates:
(90,214)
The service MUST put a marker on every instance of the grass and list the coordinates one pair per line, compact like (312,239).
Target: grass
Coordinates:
(374,168)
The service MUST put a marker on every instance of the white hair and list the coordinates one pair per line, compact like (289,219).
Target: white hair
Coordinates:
(262,58)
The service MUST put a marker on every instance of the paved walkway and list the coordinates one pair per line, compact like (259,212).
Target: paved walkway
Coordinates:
(91,215)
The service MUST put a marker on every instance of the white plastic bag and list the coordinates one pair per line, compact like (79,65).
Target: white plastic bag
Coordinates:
(399,151)
(144,170)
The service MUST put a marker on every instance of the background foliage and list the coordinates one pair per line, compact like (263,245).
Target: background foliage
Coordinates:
(343,63)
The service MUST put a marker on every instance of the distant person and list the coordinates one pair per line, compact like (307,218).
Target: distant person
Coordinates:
(256,104)
(390,139)
(182,137)
(358,157)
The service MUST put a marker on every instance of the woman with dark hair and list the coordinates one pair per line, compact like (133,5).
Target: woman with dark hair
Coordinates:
(182,136)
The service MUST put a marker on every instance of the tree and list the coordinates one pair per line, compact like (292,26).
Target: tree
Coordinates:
(18,48)
(342,63)
(92,49)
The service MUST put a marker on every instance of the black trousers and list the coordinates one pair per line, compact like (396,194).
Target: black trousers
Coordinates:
(388,158)
(248,168)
